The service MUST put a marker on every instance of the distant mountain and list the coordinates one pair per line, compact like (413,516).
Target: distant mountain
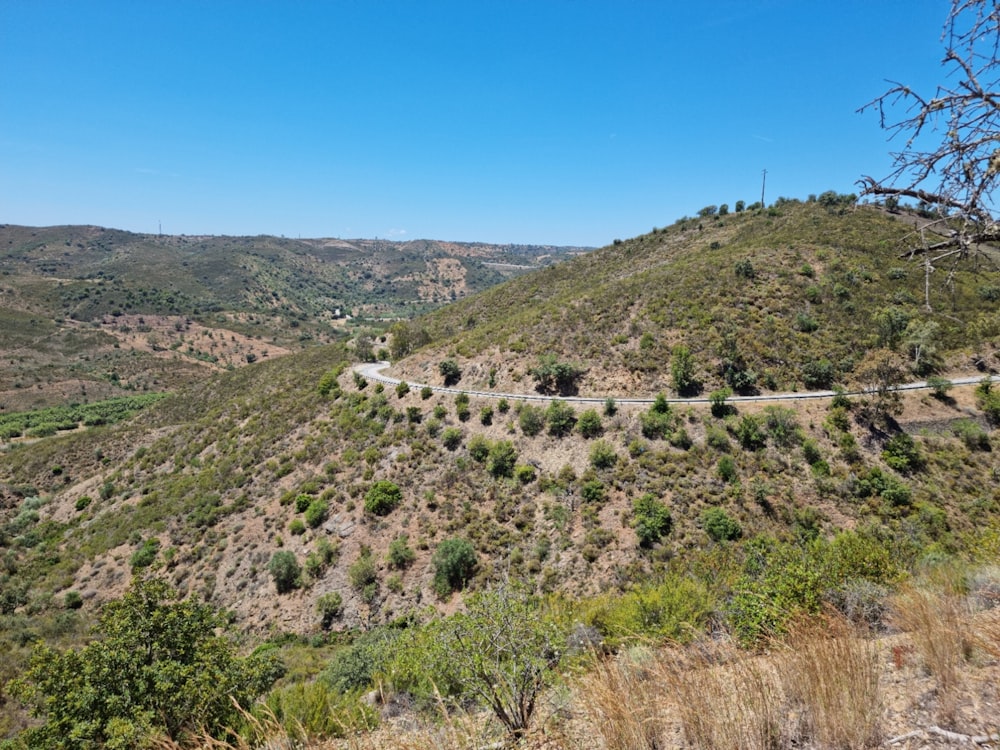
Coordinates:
(90,312)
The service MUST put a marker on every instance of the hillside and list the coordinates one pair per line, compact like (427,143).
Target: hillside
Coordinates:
(357,488)
(787,299)
(89,313)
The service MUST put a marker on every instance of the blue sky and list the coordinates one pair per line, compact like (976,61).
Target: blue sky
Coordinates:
(542,121)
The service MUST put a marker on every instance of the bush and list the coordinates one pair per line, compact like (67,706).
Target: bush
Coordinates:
(144,556)
(720,526)
(502,458)
(383,497)
(285,571)
(682,372)
(903,454)
(750,433)
(450,371)
(329,607)
(940,386)
(589,424)
(158,668)
(402,388)
(316,513)
(553,376)
(531,419)
(651,520)
(451,438)
(486,416)
(454,563)
(593,491)
(426,392)
(658,422)
(744,269)
(726,469)
(525,473)
(296,527)
(818,375)
(362,573)
(603,455)
(970,433)
(479,448)
(560,417)
(401,555)
(720,409)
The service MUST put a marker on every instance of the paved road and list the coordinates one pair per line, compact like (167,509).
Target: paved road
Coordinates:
(373,371)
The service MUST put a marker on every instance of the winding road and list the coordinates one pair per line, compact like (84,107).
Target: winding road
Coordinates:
(373,371)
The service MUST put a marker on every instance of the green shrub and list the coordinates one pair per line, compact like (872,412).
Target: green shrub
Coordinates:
(302,501)
(451,438)
(72,600)
(682,372)
(426,392)
(82,502)
(903,454)
(524,473)
(589,424)
(531,419)
(561,418)
(144,556)
(658,422)
(486,415)
(296,527)
(479,448)
(817,375)
(450,371)
(988,400)
(744,269)
(720,409)
(454,563)
(726,469)
(750,432)
(329,607)
(970,433)
(383,497)
(402,388)
(401,555)
(593,491)
(603,455)
(501,459)
(312,711)
(316,513)
(720,526)
(362,573)
(651,520)
(940,386)
(285,571)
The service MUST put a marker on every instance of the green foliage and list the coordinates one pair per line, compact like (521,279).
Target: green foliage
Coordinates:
(988,399)
(296,527)
(593,491)
(552,376)
(717,399)
(500,652)
(658,422)
(683,377)
(363,574)
(450,371)
(451,438)
(486,415)
(750,432)
(589,424)
(329,607)
(903,454)
(383,497)
(454,563)
(479,448)
(285,571)
(316,512)
(818,374)
(940,386)
(402,388)
(651,519)
(531,419)
(144,556)
(356,666)
(401,555)
(970,433)
(311,711)
(744,269)
(561,418)
(781,425)
(603,455)
(726,469)
(720,526)
(525,473)
(501,459)
(157,666)
(46,422)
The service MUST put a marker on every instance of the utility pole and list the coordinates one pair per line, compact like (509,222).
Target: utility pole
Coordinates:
(763,181)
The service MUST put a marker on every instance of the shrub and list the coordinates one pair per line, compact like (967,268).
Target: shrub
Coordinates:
(552,376)
(750,433)
(806,323)
(501,459)
(720,409)
(593,491)
(682,372)
(726,469)
(82,502)
(818,375)
(426,392)
(603,455)
(450,371)
(285,571)
(454,563)
(402,388)
(970,433)
(362,573)
(531,419)
(525,473)
(329,607)
(651,520)
(720,526)
(989,401)
(902,454)
(316,513)
(589,424)
(451,438)
(157,668)
(940,386)
(486,415)
(781,425)
(658,422)
(744,269)
(144,556)
(503,406)
(302,501)
(401,555)
(479,448)
(383,497)
(560,417)
(296,527)
(72,600)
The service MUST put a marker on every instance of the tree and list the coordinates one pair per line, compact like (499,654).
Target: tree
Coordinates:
(158,666)
(501,459)
(553,376)
(329,607)
(500,651)
(450,371)
(454,563)
(651,519)
(682,372)
(950,158)
(879,373)
(285,571)
(561,418)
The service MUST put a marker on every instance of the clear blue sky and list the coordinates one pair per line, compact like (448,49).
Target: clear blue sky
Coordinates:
(526,121)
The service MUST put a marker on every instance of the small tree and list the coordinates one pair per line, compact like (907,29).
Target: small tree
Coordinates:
(651,520)
(561,417)
(720,526)
(501,459)
(454,563)
(383,497)
(553,376)
(682,372)
(531,419)
(589,424)
(158,667)
(450,371)
(285,571)
(329,607)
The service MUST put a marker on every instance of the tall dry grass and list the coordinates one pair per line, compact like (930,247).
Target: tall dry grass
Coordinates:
(938,619)
(830,673)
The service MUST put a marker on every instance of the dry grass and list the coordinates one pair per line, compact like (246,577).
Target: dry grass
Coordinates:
(938,619)
(830,674)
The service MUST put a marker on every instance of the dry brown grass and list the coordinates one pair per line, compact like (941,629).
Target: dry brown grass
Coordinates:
(938,619)
(830,674)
